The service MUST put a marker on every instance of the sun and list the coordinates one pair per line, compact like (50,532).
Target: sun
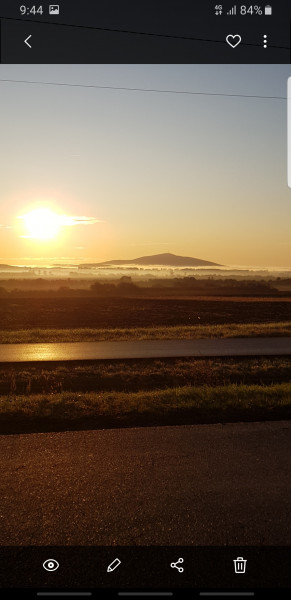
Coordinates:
(42,224)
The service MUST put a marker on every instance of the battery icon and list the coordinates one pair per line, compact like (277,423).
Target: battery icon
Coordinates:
(268,9)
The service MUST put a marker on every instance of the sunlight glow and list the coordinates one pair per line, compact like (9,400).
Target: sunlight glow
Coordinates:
(42,223)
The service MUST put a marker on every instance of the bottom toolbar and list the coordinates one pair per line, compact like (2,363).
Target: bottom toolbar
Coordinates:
(126,568)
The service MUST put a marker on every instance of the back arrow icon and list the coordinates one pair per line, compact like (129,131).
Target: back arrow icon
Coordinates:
(26,41)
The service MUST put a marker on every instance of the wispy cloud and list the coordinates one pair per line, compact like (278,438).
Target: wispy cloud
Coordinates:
(43,223)
(62,220)
(151,244)
(69,221)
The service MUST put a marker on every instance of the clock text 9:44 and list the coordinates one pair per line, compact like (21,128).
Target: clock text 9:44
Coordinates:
(31,10)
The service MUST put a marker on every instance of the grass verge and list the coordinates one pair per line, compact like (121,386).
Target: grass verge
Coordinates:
(141,375)
(27,336)
(185,405)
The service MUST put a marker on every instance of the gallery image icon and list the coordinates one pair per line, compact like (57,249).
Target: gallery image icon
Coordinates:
(174,565)
(240,564)
(113,565)
(233,40)
(54,9)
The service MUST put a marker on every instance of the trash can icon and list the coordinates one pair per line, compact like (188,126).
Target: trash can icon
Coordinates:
(240,564)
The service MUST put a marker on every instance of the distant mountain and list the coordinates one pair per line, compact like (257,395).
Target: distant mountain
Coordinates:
(10,267)
(166,260)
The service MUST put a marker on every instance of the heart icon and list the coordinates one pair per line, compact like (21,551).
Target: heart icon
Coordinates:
(233,40)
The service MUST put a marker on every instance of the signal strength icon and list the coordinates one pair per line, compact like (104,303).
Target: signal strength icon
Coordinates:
(232,11)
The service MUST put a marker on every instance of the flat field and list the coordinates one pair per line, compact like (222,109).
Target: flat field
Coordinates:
(143,392)
(180,332)
(54,397)
(112,313)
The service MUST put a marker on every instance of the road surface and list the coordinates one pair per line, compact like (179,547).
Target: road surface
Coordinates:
(274,346)
(200,484)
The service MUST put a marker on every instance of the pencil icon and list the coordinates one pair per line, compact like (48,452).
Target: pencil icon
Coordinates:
(115,563)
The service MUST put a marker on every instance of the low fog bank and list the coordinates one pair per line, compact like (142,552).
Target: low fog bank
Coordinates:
(141,280)
(114,284)
(138,273)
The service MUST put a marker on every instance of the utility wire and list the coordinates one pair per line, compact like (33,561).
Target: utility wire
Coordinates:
(131,32)
(134,89)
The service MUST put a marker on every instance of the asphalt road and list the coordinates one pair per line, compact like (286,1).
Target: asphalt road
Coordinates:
(200,484)
(274,346)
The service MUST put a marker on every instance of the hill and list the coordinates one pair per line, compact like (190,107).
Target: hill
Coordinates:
(167,259)
(4,267)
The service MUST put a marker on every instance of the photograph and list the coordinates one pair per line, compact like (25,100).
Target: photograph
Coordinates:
(145,306)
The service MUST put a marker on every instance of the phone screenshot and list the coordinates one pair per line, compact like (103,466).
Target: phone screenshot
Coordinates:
(145,299)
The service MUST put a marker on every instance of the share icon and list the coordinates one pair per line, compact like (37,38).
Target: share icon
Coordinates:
(174,565)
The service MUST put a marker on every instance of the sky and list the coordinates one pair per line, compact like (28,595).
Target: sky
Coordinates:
(133,173)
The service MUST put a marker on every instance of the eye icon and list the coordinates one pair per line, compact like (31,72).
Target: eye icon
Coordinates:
(50,564)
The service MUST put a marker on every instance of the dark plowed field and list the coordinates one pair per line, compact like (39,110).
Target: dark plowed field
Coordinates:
(29,313)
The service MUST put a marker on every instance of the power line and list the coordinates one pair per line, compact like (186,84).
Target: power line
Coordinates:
(134,89)
(133,32)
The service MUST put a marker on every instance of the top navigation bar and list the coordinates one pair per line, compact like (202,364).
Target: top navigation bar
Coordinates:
(145,32)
